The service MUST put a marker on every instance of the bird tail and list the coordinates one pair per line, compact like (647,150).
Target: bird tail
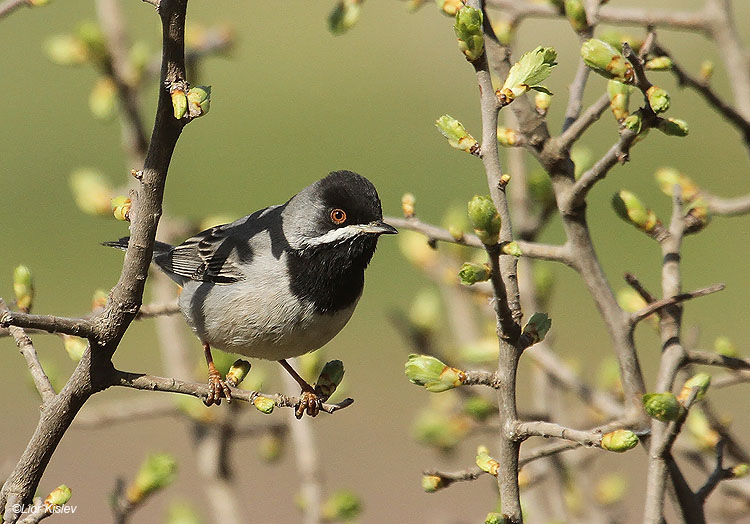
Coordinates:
(159,247)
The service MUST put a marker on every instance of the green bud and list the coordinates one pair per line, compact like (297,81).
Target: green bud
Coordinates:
(697,217)
(57,497)
(673,127)
(270,447)
(432,483)
(427,371)
(468,29)
(740,470)
(704,435)
(660,63)
(658,99)
(619,441)
(264,404)
(495,518)
(528,73)
(537,327)
(630,208)
(479,351)
(611,489)
(668,177)
(329,379)
(504,31)
(344,16)
(634,122)
(424,313)
(540,188)
(99,300)
(484,219)
(91,192)
(629,300)
(92,37)
(542,102)
(74,346)
(121,208)
(479,408)
(544,281)
(238,372)
(472,273)
(182,513)
(157,472)
(65,50)
(617,38)
(103,98)
(23,287)
(506,136)
(485,462)
(416,249)
(456,134)
(342,505)
(512,249)
(199,100)
(582,158)
(619,99)
(38,3)
(607,61)
(700,381)
(576,15)
(662,406)
(724,346)
(707,70)
(179,103)
(449,7)
(407,205)
(440,430)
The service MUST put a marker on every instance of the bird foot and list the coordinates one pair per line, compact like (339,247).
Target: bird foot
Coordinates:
(218,388)
(308,403)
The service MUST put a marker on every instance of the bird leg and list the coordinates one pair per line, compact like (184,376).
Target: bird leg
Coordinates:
(309,401)
(216,387)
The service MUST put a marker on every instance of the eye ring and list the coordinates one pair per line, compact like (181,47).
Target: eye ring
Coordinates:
(338,216)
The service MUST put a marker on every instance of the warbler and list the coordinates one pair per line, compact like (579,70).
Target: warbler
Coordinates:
(280,282)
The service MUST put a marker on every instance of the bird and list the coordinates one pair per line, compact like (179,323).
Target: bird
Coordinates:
(280,282)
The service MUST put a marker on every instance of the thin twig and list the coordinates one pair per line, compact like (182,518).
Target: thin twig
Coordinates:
(154,383)
(41,380)
(589,439)
(79,327)
(581,124)
(9,6)
(677,299)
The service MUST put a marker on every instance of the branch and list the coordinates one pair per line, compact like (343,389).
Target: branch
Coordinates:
(106,329)
(157,310)
(41,380)
(589,439)
(154,383)
(618,153)
(708,358)
(717,475)
(449,477)
(9,6)
(708,94)
(677,299)
(481,378)
(727,206)
(581,124)
(78,327)
(535,250)
(577,88)
(691,21)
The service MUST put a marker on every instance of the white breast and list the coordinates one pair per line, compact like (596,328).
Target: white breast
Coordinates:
(258,317)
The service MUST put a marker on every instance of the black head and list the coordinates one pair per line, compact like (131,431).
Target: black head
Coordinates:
(336,209)
(332,227)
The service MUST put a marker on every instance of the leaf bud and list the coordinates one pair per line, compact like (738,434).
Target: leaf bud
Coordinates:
(435,376)
(619,441)
(607,61)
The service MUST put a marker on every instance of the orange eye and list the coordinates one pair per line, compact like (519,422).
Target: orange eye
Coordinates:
(338,216)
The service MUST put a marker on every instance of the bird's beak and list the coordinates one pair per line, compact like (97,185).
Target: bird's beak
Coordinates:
(378,227)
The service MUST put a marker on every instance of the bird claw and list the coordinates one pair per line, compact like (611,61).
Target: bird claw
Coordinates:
(308,403)
(217,389)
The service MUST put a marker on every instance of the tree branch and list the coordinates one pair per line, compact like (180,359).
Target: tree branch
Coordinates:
(154,383)
(670,301)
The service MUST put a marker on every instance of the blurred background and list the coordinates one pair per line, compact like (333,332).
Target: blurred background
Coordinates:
(291,102)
